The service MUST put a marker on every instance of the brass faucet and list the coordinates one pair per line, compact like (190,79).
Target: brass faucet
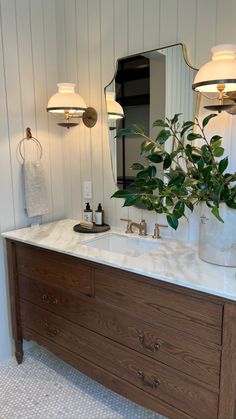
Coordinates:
(142,227)
(156,233)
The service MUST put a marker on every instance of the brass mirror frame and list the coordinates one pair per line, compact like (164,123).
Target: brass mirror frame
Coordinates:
(187,61)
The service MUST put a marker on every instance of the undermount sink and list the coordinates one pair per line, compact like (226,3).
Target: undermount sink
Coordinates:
(126,245)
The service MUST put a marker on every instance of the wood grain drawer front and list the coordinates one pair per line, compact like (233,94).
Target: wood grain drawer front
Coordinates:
(159,342)
(156,304)
(171,386)
(56,268)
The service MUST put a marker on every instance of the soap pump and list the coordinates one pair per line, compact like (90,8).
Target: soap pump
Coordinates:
(88,213)
(99,215)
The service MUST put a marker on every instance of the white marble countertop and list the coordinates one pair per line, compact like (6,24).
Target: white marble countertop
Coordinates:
(175,262)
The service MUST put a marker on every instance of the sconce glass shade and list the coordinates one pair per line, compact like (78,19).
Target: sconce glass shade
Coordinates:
(219,74)
(114,109)
(66,100)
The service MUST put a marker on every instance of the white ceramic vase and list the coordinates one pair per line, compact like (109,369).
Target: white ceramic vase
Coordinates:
(217,240)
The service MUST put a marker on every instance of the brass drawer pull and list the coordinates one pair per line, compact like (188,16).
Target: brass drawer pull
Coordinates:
(49,299)
(154,384)
(50,331)
(154,347)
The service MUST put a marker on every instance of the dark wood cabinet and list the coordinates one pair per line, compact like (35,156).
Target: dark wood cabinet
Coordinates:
(166,347)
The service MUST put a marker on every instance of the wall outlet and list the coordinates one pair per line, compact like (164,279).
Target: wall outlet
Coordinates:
(87,189)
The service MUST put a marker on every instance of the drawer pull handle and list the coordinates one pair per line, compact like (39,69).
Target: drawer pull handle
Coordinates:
(50,331)
(49,299)
(154,384)
(154,347)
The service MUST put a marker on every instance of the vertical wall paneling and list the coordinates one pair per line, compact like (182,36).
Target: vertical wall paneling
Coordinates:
(168,22)
(54,132)
(83,71)
(95,98)
(7,219)
(40,130)
(135,44)
(107,72)
(14,102)
(28,76)
(151,25)
(135,25)
(121,24)
(225,33)
(71,140)
(206,30)
(187,26)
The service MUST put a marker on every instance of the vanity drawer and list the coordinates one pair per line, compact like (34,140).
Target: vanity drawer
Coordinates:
(54,268)
(161,381)
(156,304)
(159,342)
(172,347)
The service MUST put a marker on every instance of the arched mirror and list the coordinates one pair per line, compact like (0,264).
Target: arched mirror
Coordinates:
(147,86)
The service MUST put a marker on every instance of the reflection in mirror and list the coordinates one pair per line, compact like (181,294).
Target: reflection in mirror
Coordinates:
(148,86)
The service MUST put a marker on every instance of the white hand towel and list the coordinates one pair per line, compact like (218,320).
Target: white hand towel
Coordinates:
(36,199)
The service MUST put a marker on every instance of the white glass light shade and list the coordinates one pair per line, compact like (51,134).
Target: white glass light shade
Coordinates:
(221,70)
(114,109)
(66,100)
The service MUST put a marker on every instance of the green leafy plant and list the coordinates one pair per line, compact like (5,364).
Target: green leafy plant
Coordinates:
(186,176)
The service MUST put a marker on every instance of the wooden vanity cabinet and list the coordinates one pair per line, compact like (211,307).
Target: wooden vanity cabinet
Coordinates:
(166,347)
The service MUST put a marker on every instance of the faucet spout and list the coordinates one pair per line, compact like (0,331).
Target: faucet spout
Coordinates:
(142,227)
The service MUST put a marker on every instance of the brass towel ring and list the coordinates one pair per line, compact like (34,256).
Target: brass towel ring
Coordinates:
(28,138)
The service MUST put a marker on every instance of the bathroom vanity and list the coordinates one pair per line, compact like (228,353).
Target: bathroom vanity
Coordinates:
(162,340)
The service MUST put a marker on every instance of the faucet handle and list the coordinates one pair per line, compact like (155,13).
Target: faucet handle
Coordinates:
(161,225)
(129,222)
(156,233)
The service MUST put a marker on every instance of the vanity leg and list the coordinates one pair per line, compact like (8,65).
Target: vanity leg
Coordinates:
(19,351)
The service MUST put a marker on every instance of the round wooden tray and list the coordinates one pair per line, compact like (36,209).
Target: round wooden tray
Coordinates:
(96,229)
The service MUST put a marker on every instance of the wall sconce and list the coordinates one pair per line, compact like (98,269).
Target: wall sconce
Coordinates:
(114,109)
(71,105)
(218,76)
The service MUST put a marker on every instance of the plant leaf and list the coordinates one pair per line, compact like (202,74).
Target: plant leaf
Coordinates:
(146,146)
(169,201)
(167,162)
(172,221)
(193,136)
(121,193)
(175,119)
(186,126)
(215,141)
(137,166)
(163,136)
(155,158)
(189,205)
(208,118)
(215,212)
(152,171)
(143,173)
(139,129)
(223,164)
(159,123)
(131,200)
(125,132)
(218,151)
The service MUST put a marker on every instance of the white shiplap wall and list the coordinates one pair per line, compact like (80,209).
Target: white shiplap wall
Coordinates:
(28,76)
(92,34)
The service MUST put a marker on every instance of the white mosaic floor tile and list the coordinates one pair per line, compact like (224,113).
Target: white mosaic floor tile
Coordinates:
(44,387)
